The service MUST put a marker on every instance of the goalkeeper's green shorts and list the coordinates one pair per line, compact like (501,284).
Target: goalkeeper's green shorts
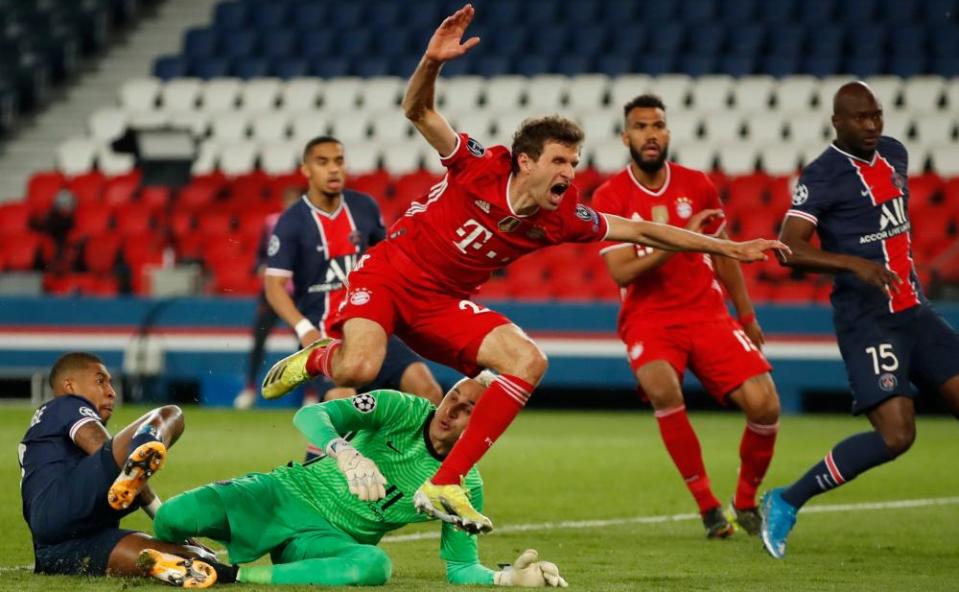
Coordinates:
(266,518)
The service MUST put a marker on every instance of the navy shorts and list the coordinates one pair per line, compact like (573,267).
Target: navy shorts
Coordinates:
(74,528)
(398,358)
(883,355)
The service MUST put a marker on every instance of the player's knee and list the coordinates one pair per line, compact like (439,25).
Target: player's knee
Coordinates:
(172,417)
(900,438)
(375,567)
(356,371)
(532,364)
(764,409)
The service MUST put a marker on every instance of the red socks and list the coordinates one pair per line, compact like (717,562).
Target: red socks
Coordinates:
(320,360)
(683,446)
(755,452)
(495,410)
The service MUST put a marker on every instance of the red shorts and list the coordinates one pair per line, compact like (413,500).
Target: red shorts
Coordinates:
(440,327)
(717,352)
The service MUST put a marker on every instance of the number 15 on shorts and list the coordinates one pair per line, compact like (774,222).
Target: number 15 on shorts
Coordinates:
(883,358)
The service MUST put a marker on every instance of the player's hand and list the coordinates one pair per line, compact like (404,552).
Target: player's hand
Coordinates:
(363,476)
(700,219)
(310,337)
(446,43)
(877,275)
(755,333)
(528,572)
(754,250)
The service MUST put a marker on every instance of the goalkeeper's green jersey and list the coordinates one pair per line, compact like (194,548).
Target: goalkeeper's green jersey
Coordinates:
(391,429)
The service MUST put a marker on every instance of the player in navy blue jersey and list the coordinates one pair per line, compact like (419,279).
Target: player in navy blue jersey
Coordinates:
(855,196)
(78,482)
(317,242)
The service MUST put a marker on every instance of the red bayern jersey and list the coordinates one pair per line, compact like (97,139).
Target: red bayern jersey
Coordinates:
(684,289)
(465,228)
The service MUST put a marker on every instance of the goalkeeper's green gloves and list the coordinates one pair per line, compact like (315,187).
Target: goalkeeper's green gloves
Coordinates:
(364,477)
(528,572)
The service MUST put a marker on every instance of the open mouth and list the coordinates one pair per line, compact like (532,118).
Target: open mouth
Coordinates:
(559,189)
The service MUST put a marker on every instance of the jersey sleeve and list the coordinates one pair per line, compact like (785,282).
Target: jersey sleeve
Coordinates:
(467,154)
(583,224)
(324,422)
(607,201)
(460,550)
(810,197)
(281,249)
(73,413)
(378,232)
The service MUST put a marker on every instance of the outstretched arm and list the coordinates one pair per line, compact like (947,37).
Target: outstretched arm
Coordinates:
(797,232)
(419,103)
(671,238)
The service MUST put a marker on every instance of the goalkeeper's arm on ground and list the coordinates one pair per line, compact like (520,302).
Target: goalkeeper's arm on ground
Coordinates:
(325,422)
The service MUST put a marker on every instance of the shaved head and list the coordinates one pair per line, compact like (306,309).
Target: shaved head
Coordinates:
(857,118)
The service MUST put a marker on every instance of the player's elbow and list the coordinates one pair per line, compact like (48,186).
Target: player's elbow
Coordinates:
(415,112)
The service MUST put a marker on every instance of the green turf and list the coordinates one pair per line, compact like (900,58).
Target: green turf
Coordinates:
(555,466)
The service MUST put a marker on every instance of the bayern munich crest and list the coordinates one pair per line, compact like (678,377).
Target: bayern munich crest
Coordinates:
(364,403)
(360,296)
(684,207)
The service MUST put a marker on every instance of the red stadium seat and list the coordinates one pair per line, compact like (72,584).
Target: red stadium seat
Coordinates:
(195,197)
(100,254)
(376,184)
(121,189)
(214,222)
(41,189)
(924,189)
(748,190)
(181,222)
(249,188)
(21,252)
(225,250)
(155,199)
(90,221)
(413,186)
(587,180)
(234,280)
(134,219)
(189,246)
(797,291)
(14,218)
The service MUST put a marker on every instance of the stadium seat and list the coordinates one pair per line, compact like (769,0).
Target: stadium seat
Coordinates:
(270,126)
(600,124)
(279,157)
(753,93)
(341,94)
(806,127)
(169,67)
(461,93)
(764,127)
(586,91)
(505,92)
(181,94)
(42,187)
(945,160)
(350,126)
(76,155)
(309,124)
(935,128)
(390,126)
(404,158)
(710,94)
(114,163)
(673,89)
(220,94)
(738,159)
(608,157)
(364,157)
(723,128)
(193,120)
(795,93)
(230,126)
(923,93)
(86,188)
(139,94)
(237,158)
(381,93)
(209,68)
(697,155)
(780,158)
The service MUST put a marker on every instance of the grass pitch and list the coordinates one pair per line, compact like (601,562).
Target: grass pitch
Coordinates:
(581,466)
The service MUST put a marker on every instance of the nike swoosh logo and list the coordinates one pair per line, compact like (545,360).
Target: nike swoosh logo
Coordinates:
(393,448)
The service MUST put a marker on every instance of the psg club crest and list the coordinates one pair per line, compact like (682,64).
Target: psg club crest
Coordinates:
(508,224)
(354,238)
(888,382)
(364,403)
(898,181)
(684,207)
(360,296)
(800,195)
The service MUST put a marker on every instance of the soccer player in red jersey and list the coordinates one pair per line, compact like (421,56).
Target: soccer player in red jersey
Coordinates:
(494,206)
(674,316)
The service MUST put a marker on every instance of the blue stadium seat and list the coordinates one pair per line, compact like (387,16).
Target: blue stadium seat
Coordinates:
(817,11)
(780,11)
(346,15)
(857,12)
(628,39)
(551,45)
(582,12)
(500,13)
(947,67)
(619,11)
(541,11)
(615,65)
(506,42)
(268,15)
(307,16)
(353,43)
(458,67)
(787,40)
(825,40)
(864,41)
(864,64)
(658,11)
(656,64)
(746,39)
(208,67)
(571,65)
(278,43)
(289,67)
(169,66)
(820,65)
(906,66)
(912,40)
(250,67)
(423,14)
(698,11)
(666,37)
(738,11)
(385,16)
(330,67)
(492,66)
(532,65)
(707,38)
(779,65)
(199,42)
(230,15)
(404,66)
(898,11)
(238,43)
(369,66)
(737,65)
(944,39)
(589,40)
(395,43)
(316,45)
(938,11)
(697,64)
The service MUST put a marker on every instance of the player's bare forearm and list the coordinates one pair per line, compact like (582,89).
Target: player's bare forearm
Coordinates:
(625,266)
(275,288)
(730,274)
(419,108)
(797,234)
(661,236)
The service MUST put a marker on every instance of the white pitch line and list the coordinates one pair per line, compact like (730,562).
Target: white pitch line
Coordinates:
(578,524)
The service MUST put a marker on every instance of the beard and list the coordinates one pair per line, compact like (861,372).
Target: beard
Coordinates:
(649,166)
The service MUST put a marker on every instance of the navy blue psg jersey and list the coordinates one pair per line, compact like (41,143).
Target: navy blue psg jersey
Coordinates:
(861,208)
(47,450)
(319,249)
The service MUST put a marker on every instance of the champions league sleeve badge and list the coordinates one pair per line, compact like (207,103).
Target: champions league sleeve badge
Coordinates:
(364,402)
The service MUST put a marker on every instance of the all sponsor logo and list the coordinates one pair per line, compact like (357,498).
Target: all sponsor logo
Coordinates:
(508,224)
(888,382)
(800,195)
(475,148)
(684,207)
(364,402)
(274,247)
(360,296)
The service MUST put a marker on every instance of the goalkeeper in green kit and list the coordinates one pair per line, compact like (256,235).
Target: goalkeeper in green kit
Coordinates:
(320,521)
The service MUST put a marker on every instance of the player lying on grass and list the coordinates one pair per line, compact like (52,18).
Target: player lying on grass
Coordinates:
(320,521)
(78,482)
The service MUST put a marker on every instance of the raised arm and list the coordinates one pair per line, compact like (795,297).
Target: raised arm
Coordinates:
(796,234)
(419,102)
(670,238)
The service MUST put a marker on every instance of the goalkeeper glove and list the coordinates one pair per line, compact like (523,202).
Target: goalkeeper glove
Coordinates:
(363,476)
(528,572)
